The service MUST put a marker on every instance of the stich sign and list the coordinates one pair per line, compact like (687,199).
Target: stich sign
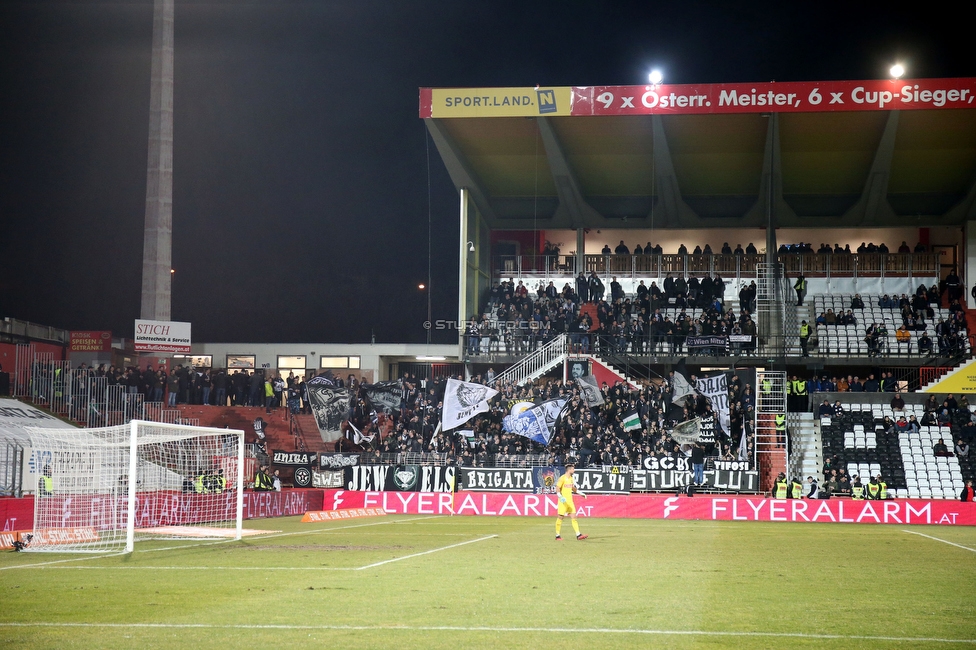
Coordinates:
(162,336)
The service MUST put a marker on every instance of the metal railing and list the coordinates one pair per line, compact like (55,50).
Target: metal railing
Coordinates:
(636,267)
(535,364)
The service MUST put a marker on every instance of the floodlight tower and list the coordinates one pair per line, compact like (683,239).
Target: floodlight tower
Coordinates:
(157,251)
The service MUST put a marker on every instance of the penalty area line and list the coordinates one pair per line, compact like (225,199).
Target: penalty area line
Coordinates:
(486,628)
(944,541)
(433,550)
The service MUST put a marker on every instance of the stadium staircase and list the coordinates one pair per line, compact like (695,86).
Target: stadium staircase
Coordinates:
(534,365)
(931,386)
(277,432)
(806,448)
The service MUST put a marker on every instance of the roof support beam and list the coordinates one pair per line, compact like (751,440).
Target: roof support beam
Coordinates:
(873,206)
(671,210)
(770,210)
(573,209)
(462,175)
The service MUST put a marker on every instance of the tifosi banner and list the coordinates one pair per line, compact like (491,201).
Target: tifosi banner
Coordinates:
(646,506)
(162,336)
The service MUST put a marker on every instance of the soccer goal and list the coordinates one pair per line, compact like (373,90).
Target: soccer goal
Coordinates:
(100,490)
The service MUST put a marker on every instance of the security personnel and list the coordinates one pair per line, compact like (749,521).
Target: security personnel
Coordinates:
(263,481)
(780,486)
(804,338)
(883,491)
(799,387)
(874,489)
(45,483)
(220,481)
(857,490)
(796,489)
(801,289)
(781,427)
(766,386)
(198,484)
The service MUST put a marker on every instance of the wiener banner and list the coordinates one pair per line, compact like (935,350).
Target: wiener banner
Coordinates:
(646,506)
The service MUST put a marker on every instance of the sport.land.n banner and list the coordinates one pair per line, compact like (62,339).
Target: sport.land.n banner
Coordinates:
(463,400)
(330,406)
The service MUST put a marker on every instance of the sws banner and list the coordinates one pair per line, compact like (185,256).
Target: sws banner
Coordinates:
(647,506)
(400,478)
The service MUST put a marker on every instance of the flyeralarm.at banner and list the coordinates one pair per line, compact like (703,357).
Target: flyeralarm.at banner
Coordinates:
(162,336)
(691,99)
(640,506)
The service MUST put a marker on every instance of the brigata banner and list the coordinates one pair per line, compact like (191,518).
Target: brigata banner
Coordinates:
(89,341)
(162,336)
(646,506)
(542,480)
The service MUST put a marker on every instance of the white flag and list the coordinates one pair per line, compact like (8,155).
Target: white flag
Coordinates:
(463,400)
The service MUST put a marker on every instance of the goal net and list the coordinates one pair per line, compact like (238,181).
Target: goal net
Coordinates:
(100,490)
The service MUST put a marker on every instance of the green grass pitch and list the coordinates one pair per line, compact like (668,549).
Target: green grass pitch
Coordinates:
(500,582)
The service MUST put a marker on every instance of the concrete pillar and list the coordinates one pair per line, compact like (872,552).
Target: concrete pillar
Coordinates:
(580,249)
(157,251)
(968,272)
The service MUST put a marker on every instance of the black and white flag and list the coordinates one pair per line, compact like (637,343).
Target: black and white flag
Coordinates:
(463,400)
(384,396)
(687,432)
(680,387)
(590,391)
(716,388)
(330,406)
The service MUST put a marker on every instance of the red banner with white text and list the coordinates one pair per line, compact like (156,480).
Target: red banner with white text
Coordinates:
(654,506)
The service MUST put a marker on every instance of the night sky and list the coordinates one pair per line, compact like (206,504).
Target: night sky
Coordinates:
(300,207)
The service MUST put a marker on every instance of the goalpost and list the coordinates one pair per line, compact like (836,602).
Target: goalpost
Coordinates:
(99,490)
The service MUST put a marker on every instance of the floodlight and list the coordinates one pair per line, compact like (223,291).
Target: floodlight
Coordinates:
(655,77)
(897,71)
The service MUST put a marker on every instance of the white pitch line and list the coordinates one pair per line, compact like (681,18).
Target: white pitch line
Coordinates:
(220,541)
(455,628)
(944,541)
(433,550)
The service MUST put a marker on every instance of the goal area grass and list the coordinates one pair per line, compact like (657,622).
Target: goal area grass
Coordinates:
(498,582)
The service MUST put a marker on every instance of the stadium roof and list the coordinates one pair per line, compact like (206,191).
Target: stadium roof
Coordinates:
(843,153)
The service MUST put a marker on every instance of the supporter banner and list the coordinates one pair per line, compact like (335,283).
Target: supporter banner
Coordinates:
(495,102)
(647,506)
(498,480)
(716,388)
(400,478)
(542,480)
(706,429)
(330,406)
(162,336)
(673,479)
(740,338)
(659,462)
(330,479)
(100,341)
(706,342)
(790,97)
(590,391)
(537,423)
(685,433)
(337,461)
(292,458)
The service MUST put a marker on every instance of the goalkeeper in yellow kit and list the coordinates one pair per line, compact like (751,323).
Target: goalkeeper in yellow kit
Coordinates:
(566,488)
